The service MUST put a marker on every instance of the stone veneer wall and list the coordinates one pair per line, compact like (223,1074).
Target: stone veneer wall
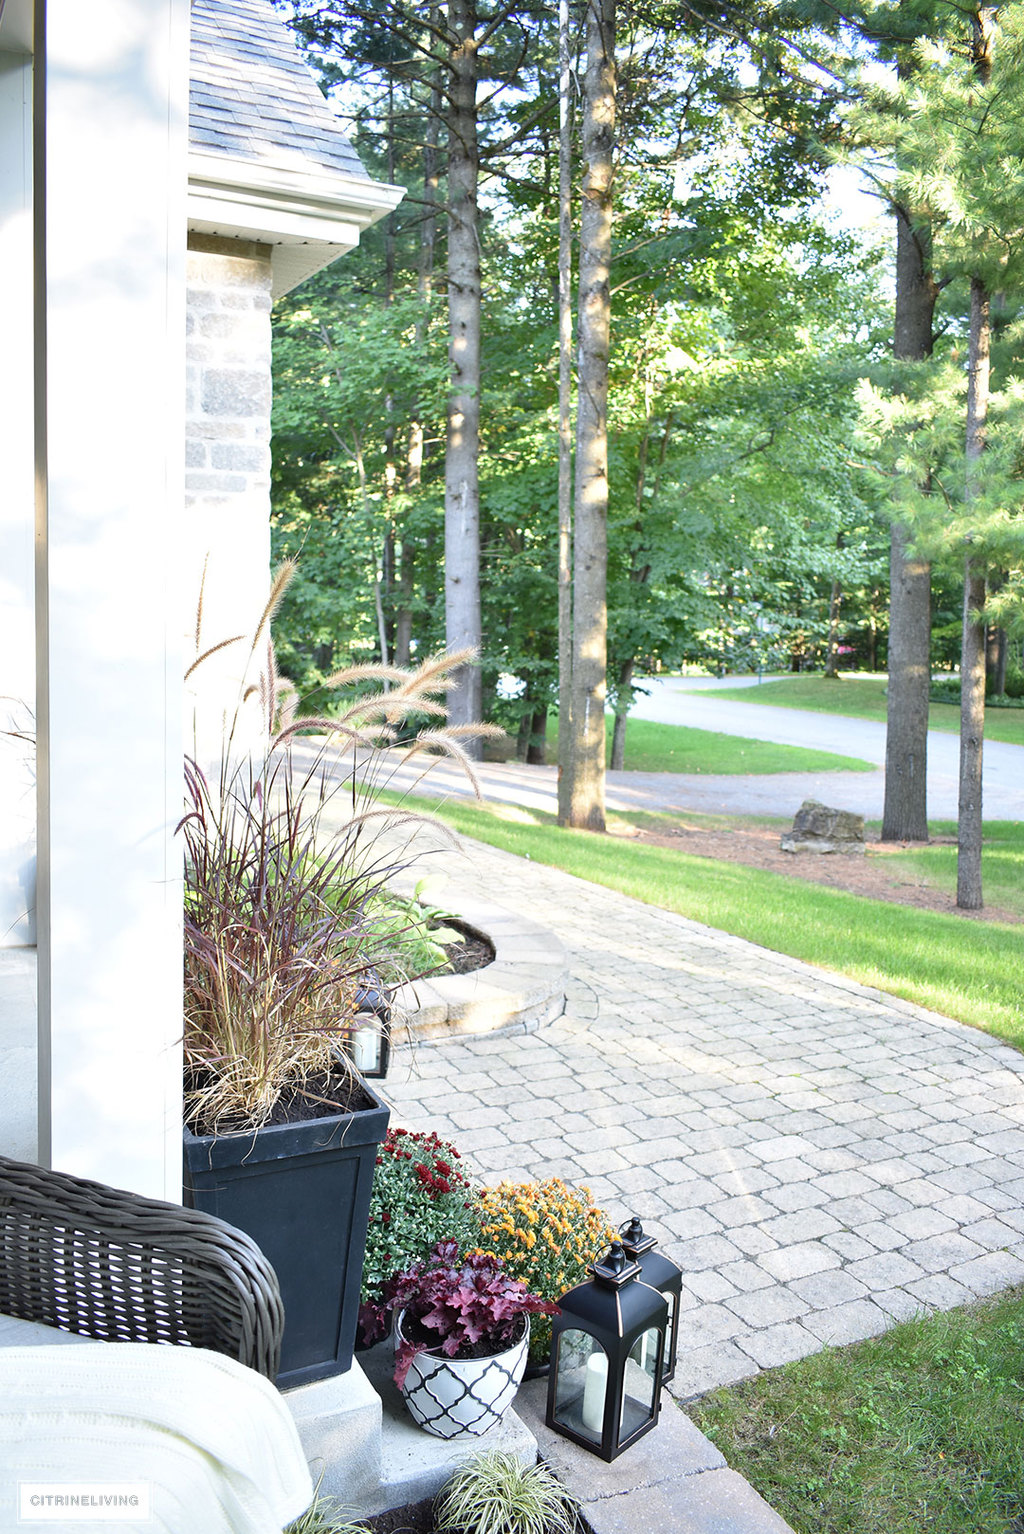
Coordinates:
(227,477)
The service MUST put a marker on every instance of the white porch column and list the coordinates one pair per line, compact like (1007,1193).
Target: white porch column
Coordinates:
(112,184)
(17,661)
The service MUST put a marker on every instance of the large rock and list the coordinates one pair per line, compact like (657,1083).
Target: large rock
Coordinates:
(816,828)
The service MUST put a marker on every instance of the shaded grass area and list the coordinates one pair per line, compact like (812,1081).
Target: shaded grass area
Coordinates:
(1002,864)
(921,1429)
(863,697)
(1002,858)
(654,747)
(965,969)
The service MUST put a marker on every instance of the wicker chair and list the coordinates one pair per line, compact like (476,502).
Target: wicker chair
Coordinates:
(121,1268)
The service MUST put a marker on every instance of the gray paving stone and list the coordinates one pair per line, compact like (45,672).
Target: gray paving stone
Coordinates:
(851,1322)
(699,1370)
(849,1246)
(990,1273)
(899,1304)
(940,1292)
(745,1276)
(823,1290)
(796,1195)
(803,1225)
(992,1234)
(799,1260)
(778,1345)
(767,1307)
(752,1240)
(744,1210)
(917,1224)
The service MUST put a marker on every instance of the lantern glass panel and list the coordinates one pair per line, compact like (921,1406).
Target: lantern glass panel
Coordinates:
(581,1383)
(638,1392)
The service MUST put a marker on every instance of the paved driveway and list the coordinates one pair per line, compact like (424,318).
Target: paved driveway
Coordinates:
(819,1158)
(681,700)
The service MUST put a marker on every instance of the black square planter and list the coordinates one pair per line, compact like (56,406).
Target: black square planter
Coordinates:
(302,1192)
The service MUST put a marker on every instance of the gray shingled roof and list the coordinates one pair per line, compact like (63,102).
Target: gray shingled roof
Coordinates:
(253,96)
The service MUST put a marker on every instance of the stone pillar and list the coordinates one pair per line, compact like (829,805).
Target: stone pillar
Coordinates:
(227,480)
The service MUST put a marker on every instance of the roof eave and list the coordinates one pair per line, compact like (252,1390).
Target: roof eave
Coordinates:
(309,216)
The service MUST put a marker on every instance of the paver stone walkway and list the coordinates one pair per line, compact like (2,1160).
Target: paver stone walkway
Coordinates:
(819,1159)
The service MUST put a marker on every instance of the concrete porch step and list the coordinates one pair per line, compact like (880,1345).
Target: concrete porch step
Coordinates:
(356,1430)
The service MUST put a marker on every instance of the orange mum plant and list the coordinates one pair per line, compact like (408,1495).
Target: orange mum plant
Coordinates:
(545,1233)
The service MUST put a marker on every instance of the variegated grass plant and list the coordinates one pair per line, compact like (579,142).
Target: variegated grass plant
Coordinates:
(285,853)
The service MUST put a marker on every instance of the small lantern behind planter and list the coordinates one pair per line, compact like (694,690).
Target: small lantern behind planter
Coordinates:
(656,1270)
(607,1352)
(369,1034)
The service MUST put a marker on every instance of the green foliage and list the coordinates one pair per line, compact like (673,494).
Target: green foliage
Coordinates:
(740,326)
(413,931)
(420,1196)
(1002,860)
(497,1494)
(921,1428)
(325,1515)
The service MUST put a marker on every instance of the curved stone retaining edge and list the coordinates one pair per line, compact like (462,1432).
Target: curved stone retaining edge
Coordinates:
(522,990)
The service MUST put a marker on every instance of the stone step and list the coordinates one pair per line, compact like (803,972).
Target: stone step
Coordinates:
(672,1479)
(356,1431)
(522,990)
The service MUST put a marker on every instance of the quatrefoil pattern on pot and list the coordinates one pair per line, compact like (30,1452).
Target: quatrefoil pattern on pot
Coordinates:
(463,1397)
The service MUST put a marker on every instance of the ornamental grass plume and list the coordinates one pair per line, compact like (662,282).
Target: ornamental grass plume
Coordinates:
(546,1234)
(287,850)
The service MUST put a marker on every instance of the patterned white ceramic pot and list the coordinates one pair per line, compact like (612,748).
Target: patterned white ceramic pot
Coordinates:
(463,1397)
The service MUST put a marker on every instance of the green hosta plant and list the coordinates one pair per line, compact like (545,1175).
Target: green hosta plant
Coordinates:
(497,1494)
(415,930)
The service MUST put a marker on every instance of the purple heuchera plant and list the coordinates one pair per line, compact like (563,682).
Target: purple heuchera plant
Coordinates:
(471,1303)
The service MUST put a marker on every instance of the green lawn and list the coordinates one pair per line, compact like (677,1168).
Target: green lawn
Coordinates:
(863,697)
(963,968)
(674,748)
(920,1429)
(1002,863)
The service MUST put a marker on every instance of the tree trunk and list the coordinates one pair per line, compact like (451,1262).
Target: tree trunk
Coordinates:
(834,604)
(462,489)
(536,745)
(403,603)
(590,553)
(905,810)
(972,648)
(622,690)
(425,288)
(565,116)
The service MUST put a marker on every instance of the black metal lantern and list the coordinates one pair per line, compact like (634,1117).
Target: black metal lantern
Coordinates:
(661,1274)
(368,1041)
(607,1352)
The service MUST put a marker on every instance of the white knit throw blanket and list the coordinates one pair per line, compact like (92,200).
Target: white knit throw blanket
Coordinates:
(212,1441)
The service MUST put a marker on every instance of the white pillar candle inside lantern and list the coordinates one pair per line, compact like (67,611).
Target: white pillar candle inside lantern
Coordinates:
(595,1388)
(365,1047)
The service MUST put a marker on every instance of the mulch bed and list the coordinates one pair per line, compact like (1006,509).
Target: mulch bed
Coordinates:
(474,951)
(413,1518)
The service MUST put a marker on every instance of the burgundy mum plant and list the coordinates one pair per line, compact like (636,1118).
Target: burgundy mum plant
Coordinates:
(466,1307)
